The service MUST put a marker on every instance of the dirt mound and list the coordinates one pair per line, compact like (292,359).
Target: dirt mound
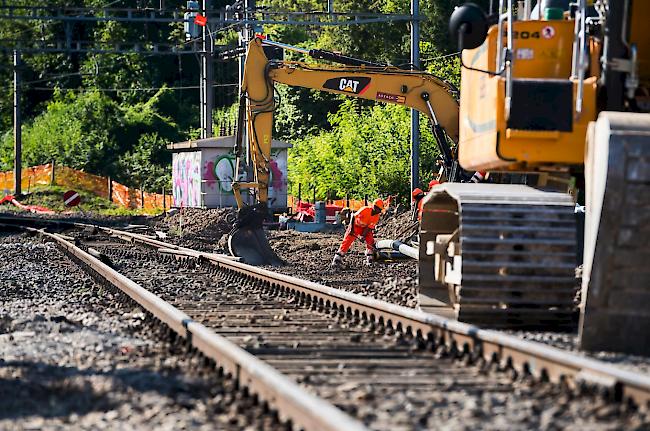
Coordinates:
(196,221)
(393,226)
(204,225)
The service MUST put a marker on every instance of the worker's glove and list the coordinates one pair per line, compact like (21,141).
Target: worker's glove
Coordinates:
(337,261)
(365,232)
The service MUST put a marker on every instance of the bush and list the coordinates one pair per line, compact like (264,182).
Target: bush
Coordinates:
(91,132)
(366,152)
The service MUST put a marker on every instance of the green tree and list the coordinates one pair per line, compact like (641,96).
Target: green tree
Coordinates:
(367,152)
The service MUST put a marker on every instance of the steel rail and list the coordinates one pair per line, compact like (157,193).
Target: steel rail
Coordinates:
(527,357)
(537,359)
(292,403)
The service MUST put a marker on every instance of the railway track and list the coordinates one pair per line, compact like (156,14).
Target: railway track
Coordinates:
(387,365)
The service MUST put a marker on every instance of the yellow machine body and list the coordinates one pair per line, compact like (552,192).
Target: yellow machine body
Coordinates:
(542,51)
(640,37)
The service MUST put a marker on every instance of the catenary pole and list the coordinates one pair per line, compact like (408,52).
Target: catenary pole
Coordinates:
(207,76)
(18,139)
(415,116)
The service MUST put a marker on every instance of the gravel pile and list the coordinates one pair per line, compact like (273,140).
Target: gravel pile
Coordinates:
(393,226)
(71,358)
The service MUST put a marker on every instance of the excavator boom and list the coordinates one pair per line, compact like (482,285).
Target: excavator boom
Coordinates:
(435,98)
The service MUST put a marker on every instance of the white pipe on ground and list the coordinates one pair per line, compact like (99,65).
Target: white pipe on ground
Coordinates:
(399,246)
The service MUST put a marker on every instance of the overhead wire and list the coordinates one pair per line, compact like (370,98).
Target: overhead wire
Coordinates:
(188,87)
(441,57)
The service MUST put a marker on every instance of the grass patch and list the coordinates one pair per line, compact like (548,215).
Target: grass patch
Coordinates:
(52,197)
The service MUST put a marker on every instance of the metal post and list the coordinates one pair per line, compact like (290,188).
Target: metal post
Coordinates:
(207,78)
(415,115)
(18,138)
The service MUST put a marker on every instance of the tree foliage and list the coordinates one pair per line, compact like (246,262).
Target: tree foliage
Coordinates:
(92,132)
(105,113)
(367,152)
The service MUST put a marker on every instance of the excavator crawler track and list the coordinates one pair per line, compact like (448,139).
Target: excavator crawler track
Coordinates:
(518,266)
(513,258)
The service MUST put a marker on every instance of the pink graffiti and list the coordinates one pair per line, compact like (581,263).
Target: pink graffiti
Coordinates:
(187,180)
(277,182)
(208,174)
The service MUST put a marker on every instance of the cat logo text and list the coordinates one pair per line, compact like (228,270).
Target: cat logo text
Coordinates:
(348,84)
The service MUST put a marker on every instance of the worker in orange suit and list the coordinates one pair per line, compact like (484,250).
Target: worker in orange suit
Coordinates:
(362,226)
(417,195)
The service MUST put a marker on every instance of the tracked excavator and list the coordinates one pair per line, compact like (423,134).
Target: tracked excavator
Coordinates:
(549,87)
(351,77)
(562,91)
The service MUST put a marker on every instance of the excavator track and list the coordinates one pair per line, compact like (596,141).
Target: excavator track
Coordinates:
(509,254)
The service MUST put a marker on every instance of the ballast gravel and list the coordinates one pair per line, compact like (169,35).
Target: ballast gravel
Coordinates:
(72,358)
(438,393)
(308,256)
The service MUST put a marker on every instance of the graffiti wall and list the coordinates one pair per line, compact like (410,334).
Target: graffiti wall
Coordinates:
(219,173)
(186,179)
(211,185)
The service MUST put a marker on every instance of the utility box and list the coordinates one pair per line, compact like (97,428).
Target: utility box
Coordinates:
(203,171)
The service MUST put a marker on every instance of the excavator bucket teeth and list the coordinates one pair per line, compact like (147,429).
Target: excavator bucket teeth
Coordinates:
(248,239)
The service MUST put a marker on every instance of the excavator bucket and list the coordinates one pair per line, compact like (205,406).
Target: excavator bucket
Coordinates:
(248,239)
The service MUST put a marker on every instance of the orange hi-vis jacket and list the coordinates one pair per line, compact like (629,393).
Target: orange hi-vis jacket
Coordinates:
(363,218)
(364,223)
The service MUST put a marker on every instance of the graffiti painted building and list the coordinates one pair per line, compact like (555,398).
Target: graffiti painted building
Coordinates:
(203,171)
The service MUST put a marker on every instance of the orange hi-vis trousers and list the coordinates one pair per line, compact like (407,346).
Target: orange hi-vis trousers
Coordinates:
(354,233)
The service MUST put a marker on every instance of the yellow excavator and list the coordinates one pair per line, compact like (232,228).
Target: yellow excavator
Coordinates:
(549,87)
(556,88)
(430,95)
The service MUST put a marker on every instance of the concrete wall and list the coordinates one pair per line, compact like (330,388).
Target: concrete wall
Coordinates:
(202,176)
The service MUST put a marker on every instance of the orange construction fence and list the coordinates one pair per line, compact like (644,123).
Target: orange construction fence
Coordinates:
(354,204)
(120,194)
